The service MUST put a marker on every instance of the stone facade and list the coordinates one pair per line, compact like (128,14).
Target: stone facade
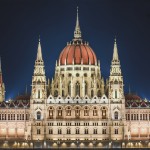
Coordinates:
(77,105)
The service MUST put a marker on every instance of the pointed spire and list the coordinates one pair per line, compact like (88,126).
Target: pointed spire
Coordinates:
(39,51)
(77,32)
(115,53)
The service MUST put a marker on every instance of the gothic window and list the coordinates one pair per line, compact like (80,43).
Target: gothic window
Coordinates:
(94,131)
(77,89)
(59,111)
(77,131)
(38,93)
(8,116)
(103,131)
(68,111)
(103,113)
(95,112)
(86,131)
(86,111)
(59,131)
(38,131)
(86,88)
(92,93)
(115,93)
(55,93)
(50,131)
(77,112)
(38,115)
(51,112)
(69,88)
(116,115)
(68,131)
(63,93)
(116,131)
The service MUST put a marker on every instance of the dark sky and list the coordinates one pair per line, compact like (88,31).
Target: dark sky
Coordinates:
(21,22)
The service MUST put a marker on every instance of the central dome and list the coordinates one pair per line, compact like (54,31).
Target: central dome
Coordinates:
(77,52)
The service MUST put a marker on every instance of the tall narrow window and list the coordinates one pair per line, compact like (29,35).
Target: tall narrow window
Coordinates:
(86,111)
(116,115)
(92,93)
(63,93)
(77,89)
(116,131)
(38,93)
(103,113)
(69,88)
(77,112)
(38,115)
(86,88)
(115,93)
(95,112)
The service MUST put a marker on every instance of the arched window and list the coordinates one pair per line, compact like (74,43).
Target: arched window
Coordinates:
(59,112)
(86,131)
(50,131)
(69,88)
(92,93)
(77,89)
(55,93)
(86,88)
(95,112)
(68,131)
(51,112)
(68,111)
(103,131)
(59,131)
(94,131)
(103,113)
(38,115)
(86,111)
(116,115)
(77,131)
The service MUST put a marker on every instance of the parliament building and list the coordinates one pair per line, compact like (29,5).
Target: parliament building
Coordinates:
(77,108)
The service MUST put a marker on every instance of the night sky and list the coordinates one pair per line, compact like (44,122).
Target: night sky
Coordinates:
(22,21)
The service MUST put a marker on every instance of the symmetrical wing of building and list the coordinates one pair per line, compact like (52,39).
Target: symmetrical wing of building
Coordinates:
(77,104)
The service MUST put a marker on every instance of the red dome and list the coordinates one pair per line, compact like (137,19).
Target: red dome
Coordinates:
(78,53)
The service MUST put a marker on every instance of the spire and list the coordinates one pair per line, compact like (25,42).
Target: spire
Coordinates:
(77,32)
(39,51)
(115,53)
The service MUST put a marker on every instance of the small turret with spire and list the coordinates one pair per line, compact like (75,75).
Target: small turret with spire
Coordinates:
(77,32)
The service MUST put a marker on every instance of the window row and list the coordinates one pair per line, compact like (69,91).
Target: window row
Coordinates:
(77,131)
(137,116)
(14,116)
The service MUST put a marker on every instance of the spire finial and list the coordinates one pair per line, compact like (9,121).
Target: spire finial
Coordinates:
(39,38)
(115,53)
(77,32)
(39,51)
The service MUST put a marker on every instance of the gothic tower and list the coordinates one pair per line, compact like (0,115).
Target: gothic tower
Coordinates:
(2,86)
(117,99)
(38,98)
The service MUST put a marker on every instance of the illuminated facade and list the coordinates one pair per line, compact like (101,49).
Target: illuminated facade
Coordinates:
(77,106)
